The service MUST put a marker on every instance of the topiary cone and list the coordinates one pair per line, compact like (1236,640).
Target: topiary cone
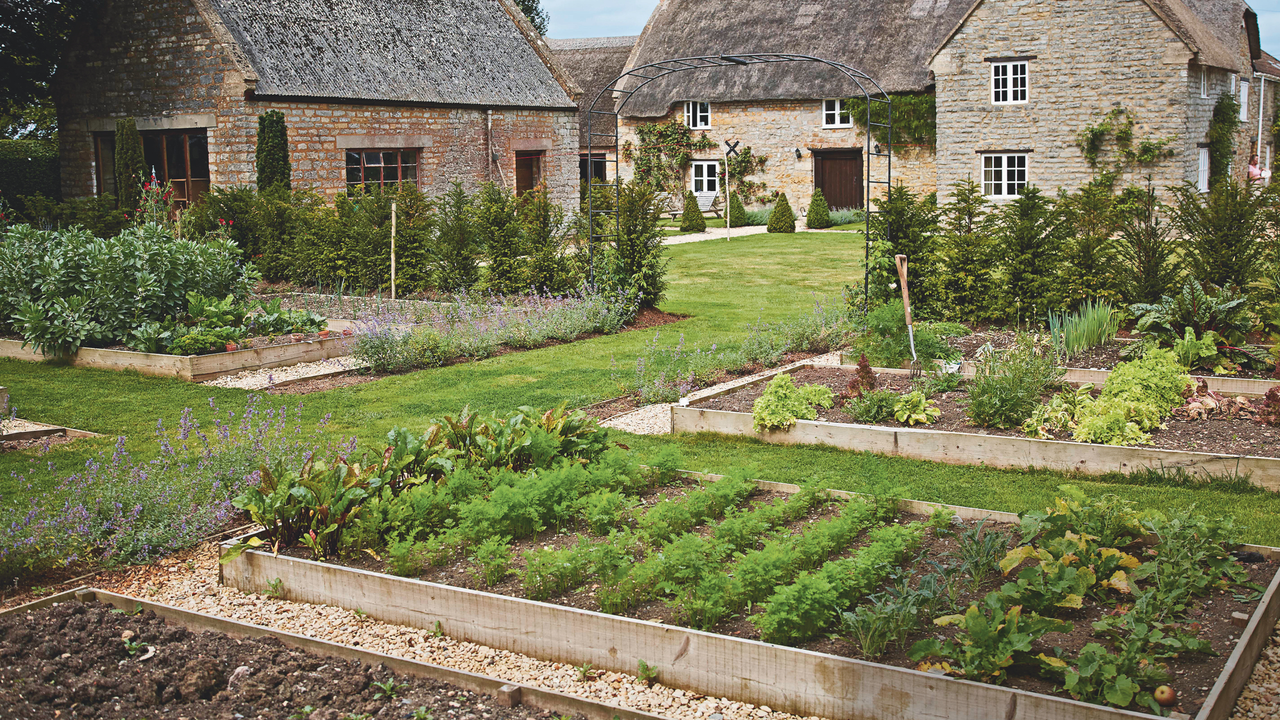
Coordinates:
(782,219)
(737,213)
(691,220)
(819,214)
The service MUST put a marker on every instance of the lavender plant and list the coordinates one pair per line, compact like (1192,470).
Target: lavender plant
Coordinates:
(123,509)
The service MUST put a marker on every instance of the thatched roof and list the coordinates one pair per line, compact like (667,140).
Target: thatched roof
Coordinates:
(1267,64)
(1211,30)
(592,63)
(890,40)
(448,52)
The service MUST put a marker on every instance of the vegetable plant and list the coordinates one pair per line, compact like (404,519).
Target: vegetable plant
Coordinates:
(914,409)
(991,639)
(783,403)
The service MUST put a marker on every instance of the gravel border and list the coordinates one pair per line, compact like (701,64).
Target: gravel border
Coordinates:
(656,419)
(268,377)
(189,580)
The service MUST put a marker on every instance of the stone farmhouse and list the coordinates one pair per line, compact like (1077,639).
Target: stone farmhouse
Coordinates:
(1015,83)
(423,91)
(593,63)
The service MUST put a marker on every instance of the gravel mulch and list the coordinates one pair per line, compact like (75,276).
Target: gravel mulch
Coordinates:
(261,379)
(189,580)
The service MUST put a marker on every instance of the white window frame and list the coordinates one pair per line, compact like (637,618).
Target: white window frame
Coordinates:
(1204,82)
(697,115)
(996,171)
(1010,82)
(1202,177)
(702,183)
(835,114)
(1244,99)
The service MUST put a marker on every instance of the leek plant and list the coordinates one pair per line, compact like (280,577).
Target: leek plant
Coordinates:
(1093,324)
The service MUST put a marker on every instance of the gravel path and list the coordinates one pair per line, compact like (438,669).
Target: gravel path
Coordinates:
(722,233)
(1261,697)
(656,419)
(259,379)
(189,580)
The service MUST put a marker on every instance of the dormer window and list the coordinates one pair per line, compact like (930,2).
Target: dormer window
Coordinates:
(697,114)
(1008,81)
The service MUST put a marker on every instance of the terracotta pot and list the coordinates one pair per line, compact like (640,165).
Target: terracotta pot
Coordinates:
(232,347)
(347,332)
(296,337)
(324,333)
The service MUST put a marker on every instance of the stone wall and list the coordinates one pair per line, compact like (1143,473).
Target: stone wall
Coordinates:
(159,61)
(1089,57)
(775,129)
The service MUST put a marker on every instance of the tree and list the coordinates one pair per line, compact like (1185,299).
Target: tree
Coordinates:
(967,255)
(33,34)
(907,224)
(272,153)
(1221,232)
(819,216)
(691,220)
(783,218)
(1031,236)
(456,241)
(640,264)
(130,165)
(532,10)
(1145,249)
(1089,272)
(498,229)
(543,224)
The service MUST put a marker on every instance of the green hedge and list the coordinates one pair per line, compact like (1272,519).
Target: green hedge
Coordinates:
(28,167)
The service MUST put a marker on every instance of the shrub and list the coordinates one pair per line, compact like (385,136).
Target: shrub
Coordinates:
(542,222)
(30,167)
(759,217)
(1090,220)
(456,241)
(888,344)
(640,263)
(783,403)
(691,220)
(907,224)
(130,167)
(1145,250)
(967,255)
(1031,236)
(499,233)
(819,216)
(1220,232)
(61,290)
(782,219)
(847,216)
(1007,385)
(271,156)
(737,213)
(98,214)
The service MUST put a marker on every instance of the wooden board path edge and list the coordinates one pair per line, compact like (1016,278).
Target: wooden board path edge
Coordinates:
(197,368)
(800,682)
(559,703)
(998,451)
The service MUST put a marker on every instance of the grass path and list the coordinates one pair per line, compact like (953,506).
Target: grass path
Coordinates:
(722,286)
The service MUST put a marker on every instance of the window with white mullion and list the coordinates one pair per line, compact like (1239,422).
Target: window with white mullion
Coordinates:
(1009,82)
(697,114)
(705,177)
(835,114)
(1004,175)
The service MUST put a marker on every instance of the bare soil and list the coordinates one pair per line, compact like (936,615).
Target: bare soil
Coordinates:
(71,660)
(1218,435)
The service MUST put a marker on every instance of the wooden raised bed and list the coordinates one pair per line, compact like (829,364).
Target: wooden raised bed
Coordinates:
(957,448)
(505,692)
(1232,386)
(796,681)
(197,368)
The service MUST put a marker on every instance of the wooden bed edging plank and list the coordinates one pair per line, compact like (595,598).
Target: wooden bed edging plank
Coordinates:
(1251,387)
(998,451)
(855,689)
(787,679)
(531,696)
(197,368)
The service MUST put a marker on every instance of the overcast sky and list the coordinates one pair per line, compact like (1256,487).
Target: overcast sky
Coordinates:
(600,18)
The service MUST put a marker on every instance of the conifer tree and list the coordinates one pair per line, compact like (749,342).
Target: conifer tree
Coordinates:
(272,154)
(455,241)
(691,219)
(1031,238)
(498,231)
(130,165)
(737,213)
(819,216)
(782,219)
(967,255)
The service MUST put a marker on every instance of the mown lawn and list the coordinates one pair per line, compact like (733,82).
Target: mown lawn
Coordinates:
(722,286)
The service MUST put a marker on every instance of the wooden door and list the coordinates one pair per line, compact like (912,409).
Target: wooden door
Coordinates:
(528,171)
(839,174)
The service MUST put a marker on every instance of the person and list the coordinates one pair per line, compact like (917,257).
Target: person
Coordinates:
(1257,174)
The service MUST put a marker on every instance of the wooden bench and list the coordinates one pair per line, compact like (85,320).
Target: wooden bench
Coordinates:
(674,204)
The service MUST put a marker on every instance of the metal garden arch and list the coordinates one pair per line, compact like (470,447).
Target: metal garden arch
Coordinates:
(871,92)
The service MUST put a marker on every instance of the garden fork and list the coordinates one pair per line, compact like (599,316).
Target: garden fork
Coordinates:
(901,261)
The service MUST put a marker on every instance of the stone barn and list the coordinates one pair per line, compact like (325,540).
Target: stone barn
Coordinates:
(421,91)
(593,63)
